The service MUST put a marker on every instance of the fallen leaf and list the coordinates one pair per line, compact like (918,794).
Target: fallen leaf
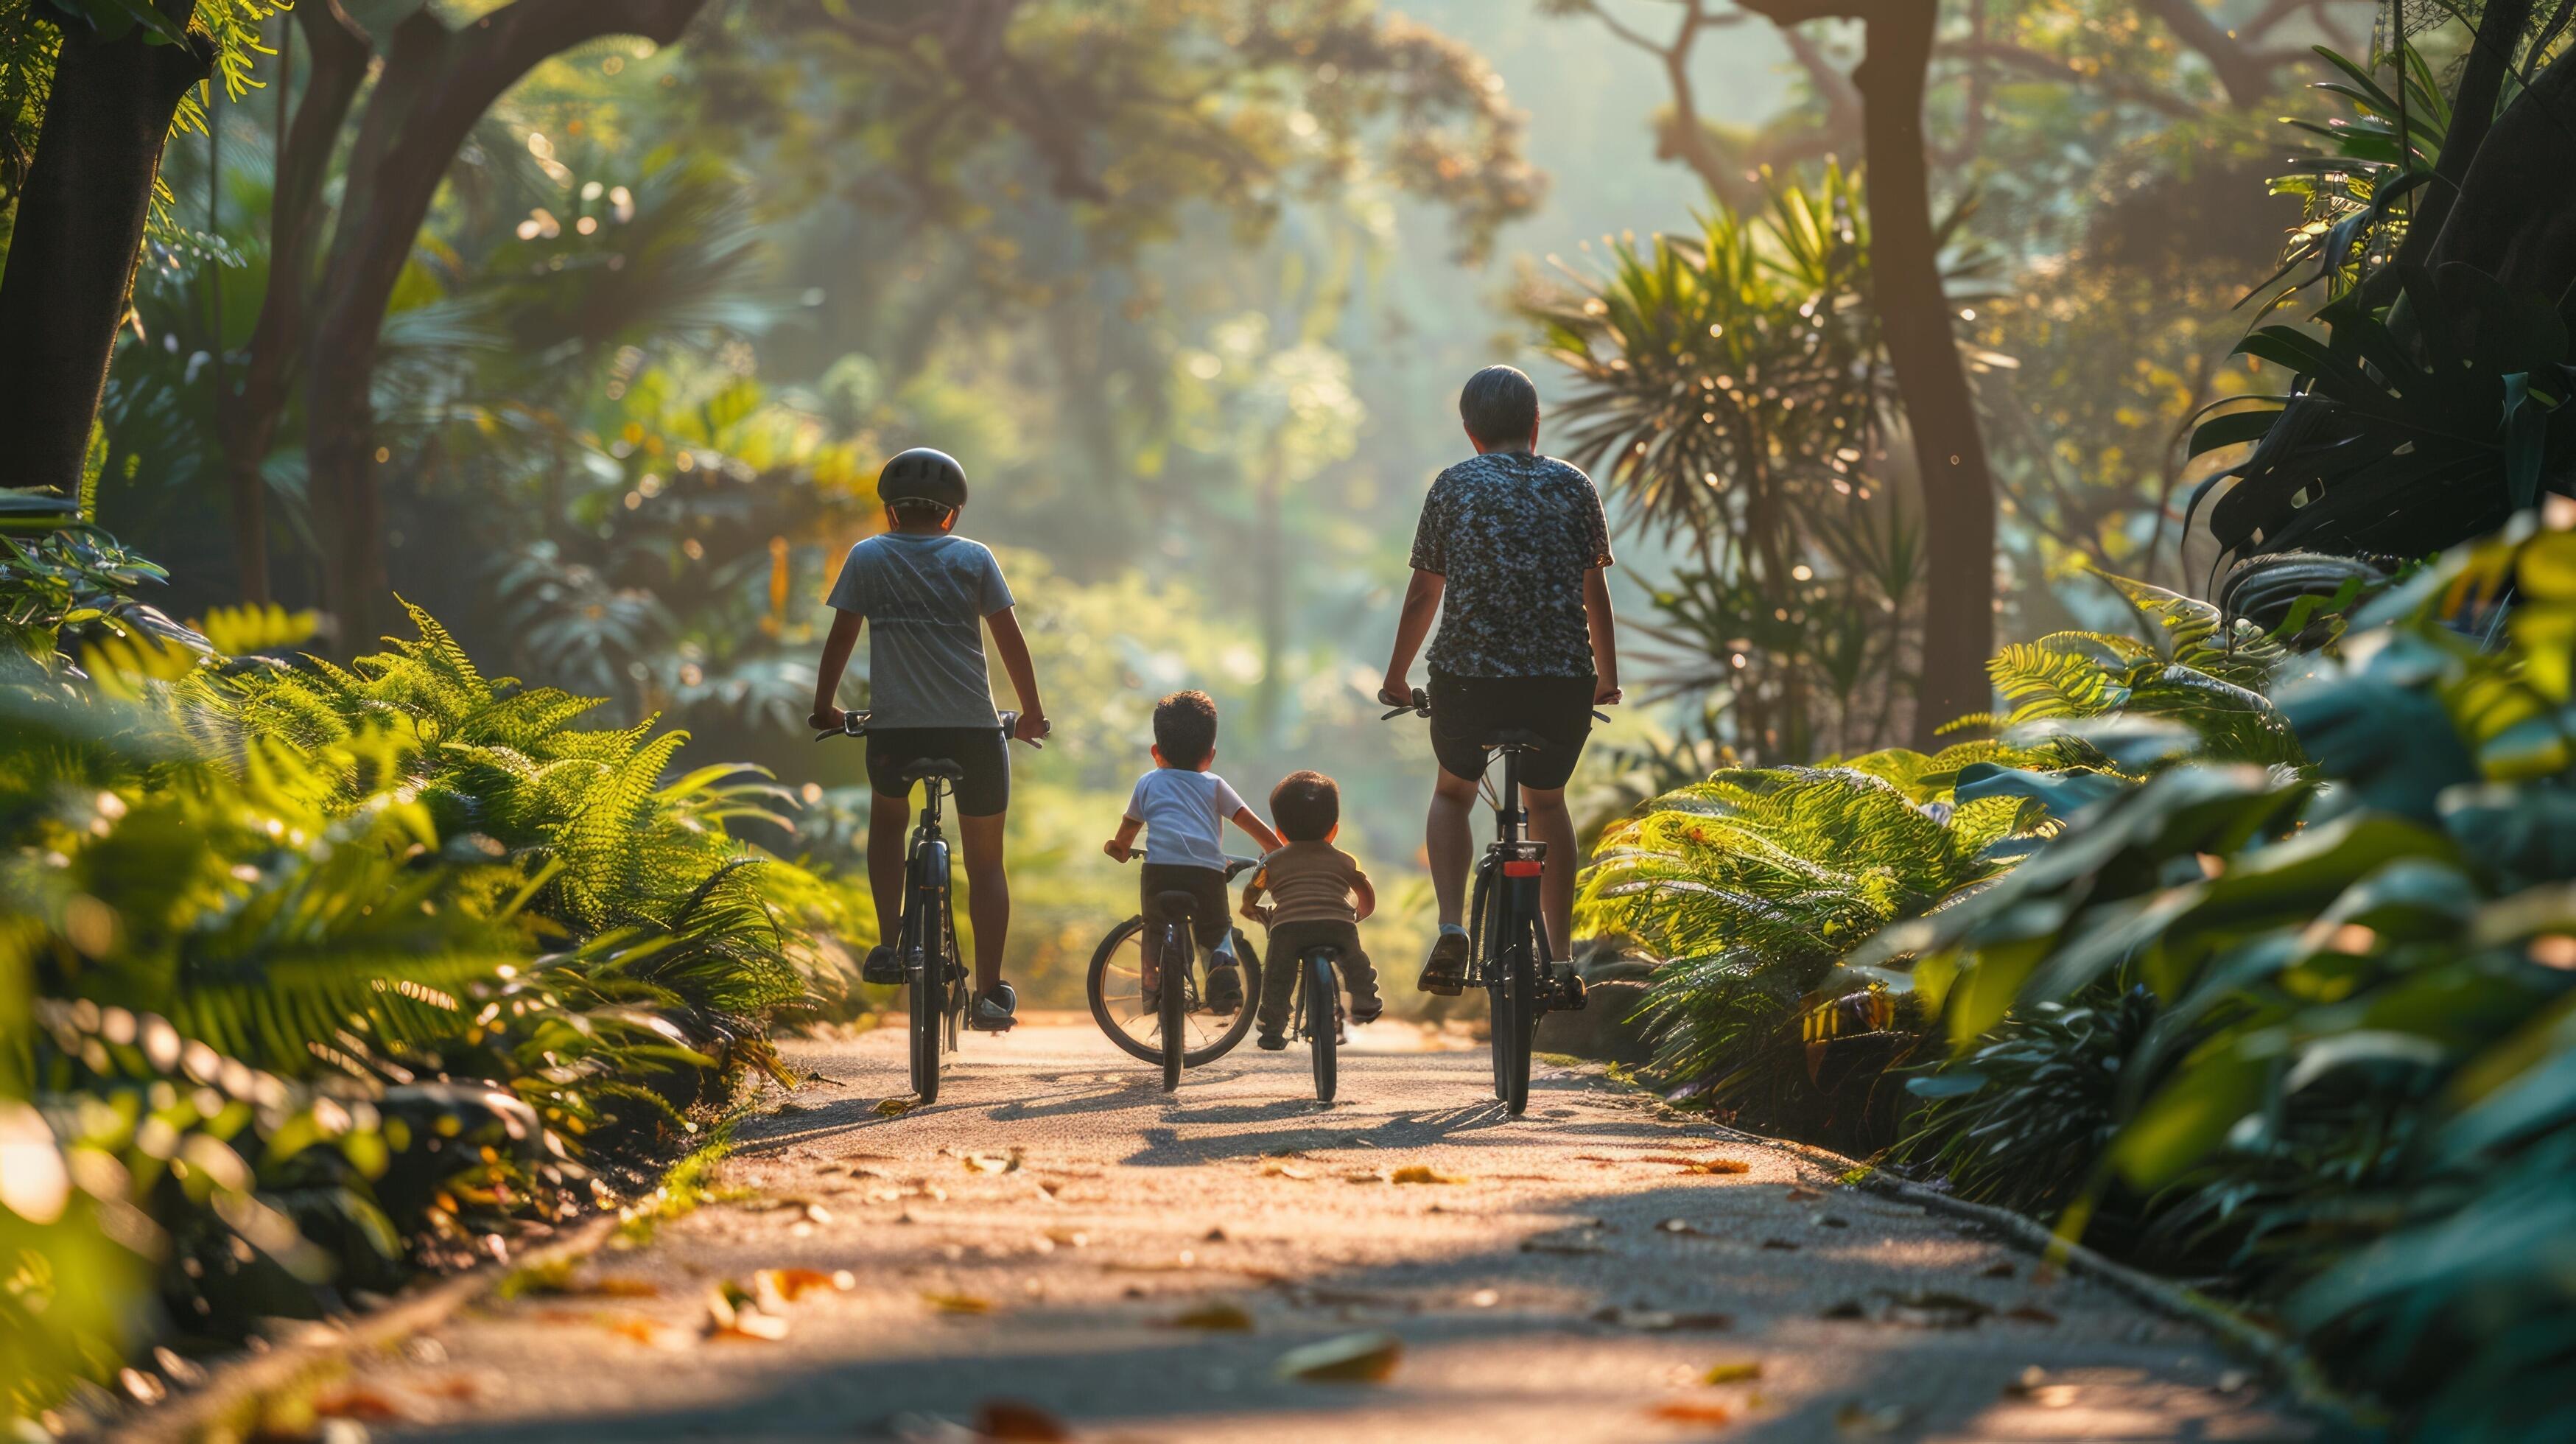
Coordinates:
(2026,1383)
(1857,1420)
(958,1303)
(1217,1317)
(459,1388)
(357,1403)
(753,1324)
(1827,1220)
(1691,1411)
(1380,1176)
(896,1107)
(1780,1245)
(1284,1170)
(652,1333)
(1740,1372)
(1423,1173)
(1349,1359)
(1803,1195)
(2030,1314)
(993,1162)
(788,1285)
(1214,1235)
(1997,1271)
(1846,1309)
(1713,1165)
(1013,1419)
(616,1286)
(1560,1245)
(1068,1239)
(1936,1310)
(1678,1225)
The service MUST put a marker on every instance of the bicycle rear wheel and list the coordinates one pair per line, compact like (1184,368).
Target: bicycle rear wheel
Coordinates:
(1522,985)
(929,1006)
(1116,987)
(1323,1022)
(1174,1005)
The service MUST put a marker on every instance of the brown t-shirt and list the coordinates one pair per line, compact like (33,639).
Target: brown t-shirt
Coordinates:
(1310,882)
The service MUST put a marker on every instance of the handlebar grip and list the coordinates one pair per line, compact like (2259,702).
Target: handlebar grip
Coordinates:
(1600,716)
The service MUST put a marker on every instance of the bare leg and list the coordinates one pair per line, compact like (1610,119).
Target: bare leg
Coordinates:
(888,819)
(988,895)
(1550,823)
(1445,841)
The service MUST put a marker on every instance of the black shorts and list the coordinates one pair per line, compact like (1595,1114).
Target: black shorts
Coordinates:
(1211,901)
(1466,712)
(980,751)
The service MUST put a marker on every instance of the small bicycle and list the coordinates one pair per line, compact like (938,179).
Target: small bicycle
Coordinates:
(1172,1027)
(1508,953)
(926,940)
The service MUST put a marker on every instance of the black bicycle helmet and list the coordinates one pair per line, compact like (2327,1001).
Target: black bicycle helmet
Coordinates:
(923,474)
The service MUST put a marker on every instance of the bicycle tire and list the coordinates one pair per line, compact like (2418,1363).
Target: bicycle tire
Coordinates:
(1095,986)
(926,1011)
(1323,1023)
(1524,1020)
(1488,934)
(1178,955)
(953,992)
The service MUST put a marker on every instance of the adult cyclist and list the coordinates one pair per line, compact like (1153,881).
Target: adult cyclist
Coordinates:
(1510,554)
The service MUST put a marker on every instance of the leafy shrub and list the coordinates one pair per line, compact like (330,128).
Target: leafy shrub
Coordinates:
(312,976)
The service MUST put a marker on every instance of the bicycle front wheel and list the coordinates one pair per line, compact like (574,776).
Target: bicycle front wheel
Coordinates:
(1514,1065)
(1116,986)
(1323,1023)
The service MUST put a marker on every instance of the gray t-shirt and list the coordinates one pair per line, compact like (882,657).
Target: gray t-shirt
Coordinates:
(925,599)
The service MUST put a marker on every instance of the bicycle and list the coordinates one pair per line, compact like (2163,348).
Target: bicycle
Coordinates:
(934,976)
(1507,947)
(1169,1031)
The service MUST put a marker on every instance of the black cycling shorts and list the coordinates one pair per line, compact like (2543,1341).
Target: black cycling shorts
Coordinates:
(1467,712)
(979,751)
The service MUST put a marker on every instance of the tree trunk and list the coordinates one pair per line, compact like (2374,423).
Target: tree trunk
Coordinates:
(2473,114)
(79,231)
(246,422)
(1940,412)
(434,86)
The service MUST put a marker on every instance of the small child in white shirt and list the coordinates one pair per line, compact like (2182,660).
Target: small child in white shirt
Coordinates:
(1182,809)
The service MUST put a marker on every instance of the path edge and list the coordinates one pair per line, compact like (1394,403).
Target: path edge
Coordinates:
(2280,1357)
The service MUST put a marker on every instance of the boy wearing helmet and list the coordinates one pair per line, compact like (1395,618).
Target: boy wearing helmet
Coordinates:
(927,596)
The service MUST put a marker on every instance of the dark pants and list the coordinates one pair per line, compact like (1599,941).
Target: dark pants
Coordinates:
(1212,903)
(1289,943)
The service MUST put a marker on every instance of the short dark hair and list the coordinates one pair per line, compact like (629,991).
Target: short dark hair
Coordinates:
(912,510)
(1185,728)
(1499,405)
(1306,806)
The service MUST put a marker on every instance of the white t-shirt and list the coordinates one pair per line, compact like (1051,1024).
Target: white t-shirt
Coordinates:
(1184,814)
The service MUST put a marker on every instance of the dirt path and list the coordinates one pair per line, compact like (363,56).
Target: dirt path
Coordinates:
(1036,1235)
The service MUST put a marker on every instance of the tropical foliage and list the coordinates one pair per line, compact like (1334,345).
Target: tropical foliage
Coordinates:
(315,975)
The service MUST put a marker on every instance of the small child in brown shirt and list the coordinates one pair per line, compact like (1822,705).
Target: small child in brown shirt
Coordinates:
(1319,895)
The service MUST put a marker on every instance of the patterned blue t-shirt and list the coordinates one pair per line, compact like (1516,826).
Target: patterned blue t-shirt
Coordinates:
(1513,535)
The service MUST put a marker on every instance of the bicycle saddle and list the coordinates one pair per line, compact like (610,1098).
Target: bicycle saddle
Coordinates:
(939,767)
(1178,905)
(1515,741)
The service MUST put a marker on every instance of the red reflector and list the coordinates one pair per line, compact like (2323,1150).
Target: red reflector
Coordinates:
(1523,869)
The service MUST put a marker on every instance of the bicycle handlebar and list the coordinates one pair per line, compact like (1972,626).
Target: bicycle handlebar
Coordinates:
(855,724)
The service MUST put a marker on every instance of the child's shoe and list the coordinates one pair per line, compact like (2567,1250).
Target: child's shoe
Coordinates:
(1224,986)
(1445,971)
(1271,1039)
(882,966)
(1365,1011)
